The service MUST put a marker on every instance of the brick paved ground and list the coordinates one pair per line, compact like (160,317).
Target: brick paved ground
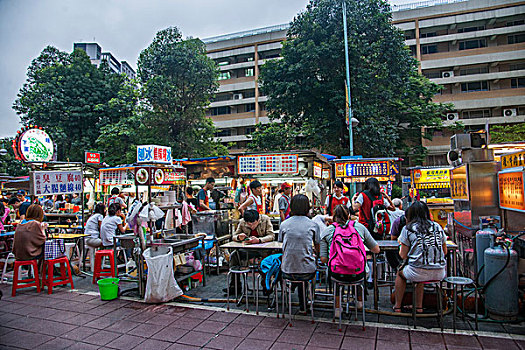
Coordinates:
(71,320)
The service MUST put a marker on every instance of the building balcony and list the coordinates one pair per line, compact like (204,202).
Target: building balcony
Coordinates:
(484,99)
(233,138)
(232,116)
(236,123)
(491,121)
(231,85)
(479,77)
(475,56)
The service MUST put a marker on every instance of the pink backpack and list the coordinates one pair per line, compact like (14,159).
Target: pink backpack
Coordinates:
(347,251)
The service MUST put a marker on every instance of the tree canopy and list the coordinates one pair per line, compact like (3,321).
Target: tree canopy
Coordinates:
(178,82)
(507,133)
(306,88)
(73,99)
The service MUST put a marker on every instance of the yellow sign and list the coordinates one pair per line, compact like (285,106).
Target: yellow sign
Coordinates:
(513,160)
(431,175)
(318,170)
(511,191)
(459,183)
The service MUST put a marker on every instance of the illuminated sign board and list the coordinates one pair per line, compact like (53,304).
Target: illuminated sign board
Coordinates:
(511,190)
(268,164)
(154,154)
(92,158)
(159,176)
(459,183)
(431,178)
(56,182)
(513,160)
(32,144)
(363,169)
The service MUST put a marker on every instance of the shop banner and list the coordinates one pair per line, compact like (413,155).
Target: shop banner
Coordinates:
(432,178)
(363,169)
(318,170)
(326,174)
(268,164)
(513,160)
(45,183)
(511,190)
(459,183)
(154,154)
(160,176)
(92,158)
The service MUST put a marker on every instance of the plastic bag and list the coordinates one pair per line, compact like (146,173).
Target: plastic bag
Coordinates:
(155,212)
(161,285)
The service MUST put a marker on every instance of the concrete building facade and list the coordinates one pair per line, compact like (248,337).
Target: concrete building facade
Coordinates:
(95,54)
(474,48)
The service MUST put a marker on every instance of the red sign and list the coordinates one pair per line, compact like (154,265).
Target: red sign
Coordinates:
(92,158)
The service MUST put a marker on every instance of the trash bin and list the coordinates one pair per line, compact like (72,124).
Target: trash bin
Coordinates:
(161,285)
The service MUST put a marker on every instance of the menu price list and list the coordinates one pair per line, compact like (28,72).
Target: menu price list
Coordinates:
(268,164)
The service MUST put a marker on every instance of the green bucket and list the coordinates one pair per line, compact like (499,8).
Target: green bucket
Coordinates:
(108,288)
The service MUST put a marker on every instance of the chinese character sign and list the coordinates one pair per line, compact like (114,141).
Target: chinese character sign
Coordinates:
(363,169)
(92,158)
(511,191)
(154,154)
(513,160)
(458,183)
(56,182)
(268,164)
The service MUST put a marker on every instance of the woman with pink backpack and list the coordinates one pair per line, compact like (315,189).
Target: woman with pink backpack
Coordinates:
(342,247)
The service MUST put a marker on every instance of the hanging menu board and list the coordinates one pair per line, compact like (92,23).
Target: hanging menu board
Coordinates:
(268,164)
(56,182)
(116,176)
(363,169)
(511,190)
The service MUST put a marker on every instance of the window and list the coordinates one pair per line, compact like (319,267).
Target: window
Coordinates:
(250,107)
(432,75)
(428,35)
(515,23)
(517,66)
(470,29)
(224,132)
(224,75)
(475,86)
(248,72)
(428,49)
(472,44)
(220,110)
(516,38)
(517,83)
(249,130)
(479,113)
(477,70)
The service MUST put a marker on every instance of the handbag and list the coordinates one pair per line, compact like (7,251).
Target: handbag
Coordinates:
(54,249)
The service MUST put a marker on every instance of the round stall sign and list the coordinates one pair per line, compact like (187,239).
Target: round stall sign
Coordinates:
(35,145)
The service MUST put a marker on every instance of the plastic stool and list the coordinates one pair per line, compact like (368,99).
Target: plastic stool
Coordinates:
(341,286)
(437,285)
(28,282)
(307,285)
(241,271)
(101,272)
(65,274)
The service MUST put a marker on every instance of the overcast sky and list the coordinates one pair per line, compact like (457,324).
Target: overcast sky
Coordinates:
(122,27)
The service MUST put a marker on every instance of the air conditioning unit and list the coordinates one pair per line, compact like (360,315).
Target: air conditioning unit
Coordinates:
(452,117)
(237,96)
(510,112)
(447,74)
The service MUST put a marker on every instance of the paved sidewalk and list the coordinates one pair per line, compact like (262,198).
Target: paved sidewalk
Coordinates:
(70,320)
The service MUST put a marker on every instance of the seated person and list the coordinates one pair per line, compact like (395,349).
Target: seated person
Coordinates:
(252,229)
(111,223)
(424,244)
(30,236)
(299,234)
(93,226)
(342,217)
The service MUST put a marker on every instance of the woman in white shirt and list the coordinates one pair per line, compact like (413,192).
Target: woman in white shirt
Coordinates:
(93,226)
(111,224)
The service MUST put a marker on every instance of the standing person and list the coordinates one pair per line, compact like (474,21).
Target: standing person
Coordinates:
(372,199)
(93,226)
(21,195)
(111,223)
(337,198)
(115,198)
(398,212)
(77,199)
(424,244)
(202,196)
(30,236)
(278,195)
(284,201)
(299,235)
(190,199)
(4,216)
(254,200)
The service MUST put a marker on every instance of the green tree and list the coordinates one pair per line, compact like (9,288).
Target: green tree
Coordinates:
(507,133)
(306,89)
(73,99)
(178,82)
(8,163)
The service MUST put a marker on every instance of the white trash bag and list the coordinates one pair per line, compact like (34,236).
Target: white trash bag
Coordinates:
(161,285)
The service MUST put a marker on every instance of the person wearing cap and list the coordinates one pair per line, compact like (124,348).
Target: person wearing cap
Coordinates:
(284,201)
(337,198)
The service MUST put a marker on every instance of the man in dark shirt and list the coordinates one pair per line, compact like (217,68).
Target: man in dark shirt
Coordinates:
(202,196)
(21,196)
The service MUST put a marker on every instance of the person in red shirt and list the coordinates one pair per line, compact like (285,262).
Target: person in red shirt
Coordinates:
(284,201)
(337,198)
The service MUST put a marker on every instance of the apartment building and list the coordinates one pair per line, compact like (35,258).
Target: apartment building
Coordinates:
(474,48)
(95,54)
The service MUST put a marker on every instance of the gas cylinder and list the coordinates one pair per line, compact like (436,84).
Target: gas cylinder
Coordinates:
(483,238)
(501,294)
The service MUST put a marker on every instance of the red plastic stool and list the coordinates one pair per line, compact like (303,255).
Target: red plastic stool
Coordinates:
(28,282)
(65,274)
(99,271)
